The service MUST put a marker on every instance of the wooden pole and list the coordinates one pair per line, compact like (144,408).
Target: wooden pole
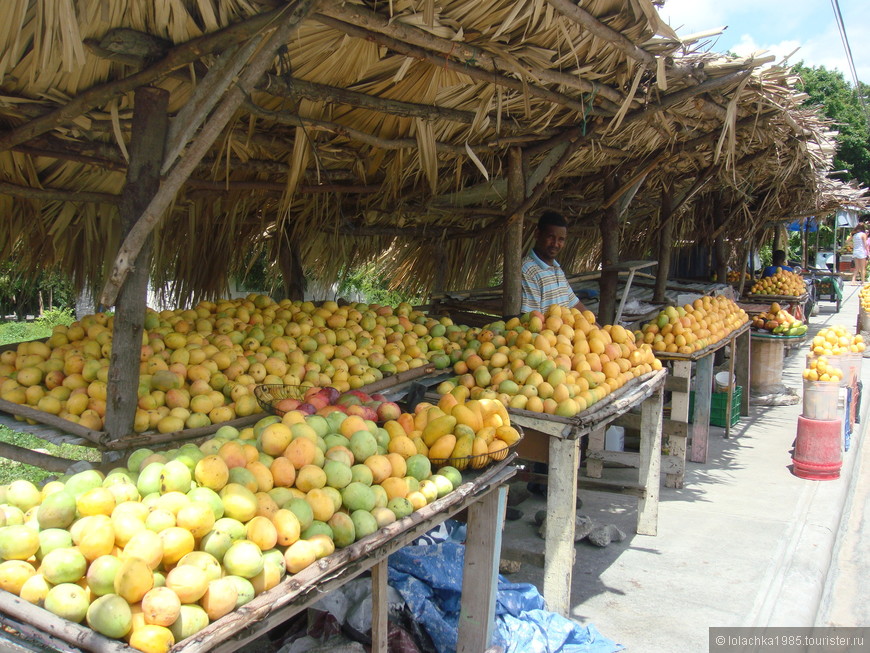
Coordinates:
(150,123)
(609,227)
(719,242)
(666,237)
(290,265)
(804,228)
(513,238)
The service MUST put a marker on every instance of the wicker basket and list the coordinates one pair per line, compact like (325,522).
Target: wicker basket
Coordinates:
(479,461)
(269,394)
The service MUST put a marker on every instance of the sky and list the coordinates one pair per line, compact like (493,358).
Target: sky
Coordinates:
(780,27)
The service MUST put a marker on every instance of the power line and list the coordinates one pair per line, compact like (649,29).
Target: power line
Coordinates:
(851,62)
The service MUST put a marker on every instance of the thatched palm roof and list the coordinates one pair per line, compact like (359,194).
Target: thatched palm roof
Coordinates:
(381,127)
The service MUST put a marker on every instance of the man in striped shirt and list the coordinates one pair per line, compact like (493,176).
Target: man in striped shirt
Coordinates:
(544,281)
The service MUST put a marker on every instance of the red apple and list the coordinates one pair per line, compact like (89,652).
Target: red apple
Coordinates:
(359,393)
(369,414)
(388,410)
(310,392)
(286,405)
(318,401)
(357,409)
(306,408)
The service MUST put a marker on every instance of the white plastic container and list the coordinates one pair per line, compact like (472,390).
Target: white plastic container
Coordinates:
(614,438)
(821,400)
(721,381)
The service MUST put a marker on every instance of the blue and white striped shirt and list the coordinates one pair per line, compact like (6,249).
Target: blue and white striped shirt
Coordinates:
(544,285)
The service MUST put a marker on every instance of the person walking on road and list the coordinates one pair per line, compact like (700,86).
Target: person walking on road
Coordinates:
(859,253)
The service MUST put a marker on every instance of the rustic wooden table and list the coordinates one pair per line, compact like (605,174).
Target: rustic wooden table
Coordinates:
(703,360)
(556,441)
(482,495)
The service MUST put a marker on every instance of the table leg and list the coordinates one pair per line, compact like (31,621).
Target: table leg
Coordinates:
(559,542)
(650,463)
(679,413)
(480,572)
(741,356)
(380,609)
(701,425)
(596,443)
(730,396)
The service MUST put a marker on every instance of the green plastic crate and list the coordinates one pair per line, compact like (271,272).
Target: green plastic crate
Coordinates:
(718,405)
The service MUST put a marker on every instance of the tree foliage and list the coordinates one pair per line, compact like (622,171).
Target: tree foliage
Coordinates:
(20,294)
(841,103)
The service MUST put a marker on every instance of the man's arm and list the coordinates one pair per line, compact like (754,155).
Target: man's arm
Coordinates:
(532,292)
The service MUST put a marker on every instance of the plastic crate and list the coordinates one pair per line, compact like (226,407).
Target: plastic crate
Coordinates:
(718,406)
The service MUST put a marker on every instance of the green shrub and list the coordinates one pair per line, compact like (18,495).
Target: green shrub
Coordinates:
(55,316)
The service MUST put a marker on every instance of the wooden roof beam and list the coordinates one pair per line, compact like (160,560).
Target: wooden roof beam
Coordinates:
(180,55)
(479,74)
(469,55)
(54,194)
(296,88)
(596,27)
(295,120)
(284,29)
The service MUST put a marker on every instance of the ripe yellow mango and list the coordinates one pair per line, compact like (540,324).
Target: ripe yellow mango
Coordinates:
(487,433)
(463,448)
(479,451)
(507,434)
(421,446)
(447,402)
(394,429)
(443,447)
(468,417)
(438,427)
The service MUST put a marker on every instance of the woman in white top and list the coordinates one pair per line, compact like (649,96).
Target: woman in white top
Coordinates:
(859,252)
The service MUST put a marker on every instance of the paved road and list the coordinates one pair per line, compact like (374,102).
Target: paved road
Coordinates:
(845,601)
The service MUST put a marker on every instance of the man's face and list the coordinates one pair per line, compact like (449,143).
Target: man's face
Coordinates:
(550,240)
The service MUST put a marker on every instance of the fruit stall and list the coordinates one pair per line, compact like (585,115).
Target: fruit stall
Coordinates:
(689,336)
(783,287)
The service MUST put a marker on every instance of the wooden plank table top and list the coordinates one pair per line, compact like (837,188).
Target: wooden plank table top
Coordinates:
(706,351)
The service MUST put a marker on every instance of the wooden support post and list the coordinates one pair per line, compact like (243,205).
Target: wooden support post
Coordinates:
(150,122)
(513,238)
(703,392)
(595,466)
(480,572)
(666,238)
(679,413)
(741,367)
(291,267)
(564,457)
(380,609)
(719,248)
(650,463)
(609,227)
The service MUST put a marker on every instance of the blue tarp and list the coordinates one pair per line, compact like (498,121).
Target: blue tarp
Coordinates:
(429,578)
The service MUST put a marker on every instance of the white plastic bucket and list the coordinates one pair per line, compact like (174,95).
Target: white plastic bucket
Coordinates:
(722,381)
(821,400)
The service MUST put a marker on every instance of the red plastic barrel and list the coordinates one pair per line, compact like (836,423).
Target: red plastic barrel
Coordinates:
(817,454)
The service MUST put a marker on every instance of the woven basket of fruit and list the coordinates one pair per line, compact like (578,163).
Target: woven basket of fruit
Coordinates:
(273,397)
(481,460)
